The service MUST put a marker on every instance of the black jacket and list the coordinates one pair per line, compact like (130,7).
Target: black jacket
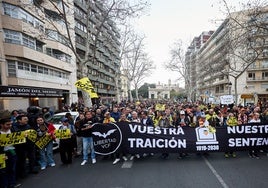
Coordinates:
(84,123)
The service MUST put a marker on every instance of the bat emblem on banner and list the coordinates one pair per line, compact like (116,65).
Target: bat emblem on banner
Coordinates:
(104,135)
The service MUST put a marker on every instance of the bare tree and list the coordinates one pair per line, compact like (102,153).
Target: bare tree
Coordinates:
(128,37)
(177,63)
(135,61)
(177,60)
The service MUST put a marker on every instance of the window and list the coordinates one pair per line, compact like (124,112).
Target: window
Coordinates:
(265,75)
(33,68)
(49,51)
(39,46)
(80,40)
(251,76)
(28,41)
(252,66)
(80,12)
(265,53)
(51,34)
(166,96)
(13,37)
(11,66)
(23,66)
(26,66)
(51,72)
(57,74)
(54,35)
(20,65)
(18,13)
(217,90)
(265,64)
(58,55)
(46,71)
(23,16)
(40,70)
(11,10)
(80,26)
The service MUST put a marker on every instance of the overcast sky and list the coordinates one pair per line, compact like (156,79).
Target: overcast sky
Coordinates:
(170,20)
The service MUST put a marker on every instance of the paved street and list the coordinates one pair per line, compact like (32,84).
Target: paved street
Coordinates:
(154,172)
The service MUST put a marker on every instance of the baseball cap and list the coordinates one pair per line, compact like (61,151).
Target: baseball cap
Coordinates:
(64,119)
(182,112)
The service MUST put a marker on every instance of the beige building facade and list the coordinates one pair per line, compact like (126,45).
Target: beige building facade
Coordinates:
(37,69)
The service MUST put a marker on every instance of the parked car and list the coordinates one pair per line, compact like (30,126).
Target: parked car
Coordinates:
(56,121)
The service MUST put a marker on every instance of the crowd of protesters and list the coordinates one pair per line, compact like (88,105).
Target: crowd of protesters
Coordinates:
(26,158)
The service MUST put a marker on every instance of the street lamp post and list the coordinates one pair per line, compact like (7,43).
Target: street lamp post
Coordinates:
(230,87)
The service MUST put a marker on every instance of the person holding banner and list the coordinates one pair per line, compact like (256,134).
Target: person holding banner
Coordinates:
(255,119)
(212,118)
(8,174)
(231,121)
(145,119)
(120,151)
(86,133)
(79,142)
(182,121)
(164,122)
(66,144)
(135,118)
(25,150)
(46,154)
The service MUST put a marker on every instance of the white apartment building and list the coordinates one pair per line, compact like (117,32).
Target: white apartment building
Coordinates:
(162,91)
(212,63)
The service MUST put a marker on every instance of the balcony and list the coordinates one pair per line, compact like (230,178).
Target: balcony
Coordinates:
(257,67)
(28,53)
(254,79)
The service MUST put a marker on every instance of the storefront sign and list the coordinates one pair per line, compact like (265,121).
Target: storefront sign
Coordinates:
(21,91)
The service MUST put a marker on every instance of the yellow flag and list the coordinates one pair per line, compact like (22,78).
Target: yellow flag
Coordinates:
(85,84)
(93,94)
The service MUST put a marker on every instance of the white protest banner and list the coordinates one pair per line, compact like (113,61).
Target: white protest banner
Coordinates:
(227,99)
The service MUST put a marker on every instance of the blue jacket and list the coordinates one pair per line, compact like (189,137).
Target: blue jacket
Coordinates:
(115,115)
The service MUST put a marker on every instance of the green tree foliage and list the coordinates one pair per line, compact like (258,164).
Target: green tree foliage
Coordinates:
(143,90)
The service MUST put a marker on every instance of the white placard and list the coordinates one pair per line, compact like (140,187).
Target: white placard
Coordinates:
(227,99)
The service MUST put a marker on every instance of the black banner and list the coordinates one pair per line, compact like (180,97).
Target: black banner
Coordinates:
(137,138)
(24,91)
